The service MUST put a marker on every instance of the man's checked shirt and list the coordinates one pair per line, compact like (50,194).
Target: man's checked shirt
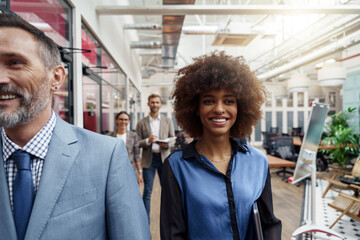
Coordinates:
(37,147)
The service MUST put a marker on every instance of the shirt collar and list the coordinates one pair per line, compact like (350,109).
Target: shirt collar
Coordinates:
(190,150)
(157,119)
(37,146)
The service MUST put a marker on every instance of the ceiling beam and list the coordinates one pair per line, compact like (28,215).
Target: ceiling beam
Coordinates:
(225,10)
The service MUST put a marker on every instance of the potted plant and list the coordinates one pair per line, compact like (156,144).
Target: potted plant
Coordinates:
(342,139)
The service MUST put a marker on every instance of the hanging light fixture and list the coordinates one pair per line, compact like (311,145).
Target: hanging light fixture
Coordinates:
(331,74)
(280,92)
(165,94)
(298,82)
(315,91)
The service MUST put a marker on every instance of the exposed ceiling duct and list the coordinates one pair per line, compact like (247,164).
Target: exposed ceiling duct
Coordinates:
(291,34)
(145,44)
(200,30)
(172,27)
(341,44)
(147,53)
(142,26)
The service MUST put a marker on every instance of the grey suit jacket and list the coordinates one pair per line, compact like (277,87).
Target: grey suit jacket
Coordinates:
(87,191)
(132,147)
(144,131)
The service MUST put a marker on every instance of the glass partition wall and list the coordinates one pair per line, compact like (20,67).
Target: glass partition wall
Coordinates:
(134,105)
(103,85)
(104,91)
(53,18)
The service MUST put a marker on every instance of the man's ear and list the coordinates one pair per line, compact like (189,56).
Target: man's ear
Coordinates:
(58,77)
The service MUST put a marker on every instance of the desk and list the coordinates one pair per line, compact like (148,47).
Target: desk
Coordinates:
(282,163)
(279,162)
(297,142)
(273,138)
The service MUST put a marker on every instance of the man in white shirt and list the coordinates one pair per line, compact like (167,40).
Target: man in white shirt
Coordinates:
(151,129)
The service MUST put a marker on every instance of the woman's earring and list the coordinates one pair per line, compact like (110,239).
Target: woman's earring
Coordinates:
(55,88)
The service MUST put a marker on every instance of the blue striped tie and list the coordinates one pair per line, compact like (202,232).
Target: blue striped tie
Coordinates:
(23,192)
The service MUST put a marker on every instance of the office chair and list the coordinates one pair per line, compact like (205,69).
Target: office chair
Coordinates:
(274,130)
(268,142)
(284,148)
(296,131)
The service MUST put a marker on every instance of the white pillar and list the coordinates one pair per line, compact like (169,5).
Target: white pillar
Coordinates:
(78,88)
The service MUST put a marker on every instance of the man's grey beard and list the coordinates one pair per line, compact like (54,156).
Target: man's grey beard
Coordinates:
(30,105)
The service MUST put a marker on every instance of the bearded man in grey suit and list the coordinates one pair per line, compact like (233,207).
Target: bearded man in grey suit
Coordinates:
(57,181)
(151,129)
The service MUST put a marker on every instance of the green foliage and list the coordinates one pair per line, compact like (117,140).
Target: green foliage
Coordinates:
(339,134)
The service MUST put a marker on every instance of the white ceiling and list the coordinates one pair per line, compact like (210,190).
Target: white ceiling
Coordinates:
(282,43)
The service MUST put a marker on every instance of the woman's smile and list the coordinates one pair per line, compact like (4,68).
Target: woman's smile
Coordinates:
(217,111)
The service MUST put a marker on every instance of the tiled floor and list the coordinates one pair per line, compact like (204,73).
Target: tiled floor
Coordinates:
(326,215)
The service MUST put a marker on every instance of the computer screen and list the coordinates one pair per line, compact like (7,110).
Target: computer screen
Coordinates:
(310,142)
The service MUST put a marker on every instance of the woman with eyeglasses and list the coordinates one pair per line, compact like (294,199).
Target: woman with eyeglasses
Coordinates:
(131,141)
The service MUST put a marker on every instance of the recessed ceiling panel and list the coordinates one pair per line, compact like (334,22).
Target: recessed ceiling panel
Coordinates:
(233,39)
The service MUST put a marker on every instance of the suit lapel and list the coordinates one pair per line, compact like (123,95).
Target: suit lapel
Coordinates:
(60,157)
(162,124)
(147,125)
(7,226)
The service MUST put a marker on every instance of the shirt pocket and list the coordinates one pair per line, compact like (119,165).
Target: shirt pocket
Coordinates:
(75,202)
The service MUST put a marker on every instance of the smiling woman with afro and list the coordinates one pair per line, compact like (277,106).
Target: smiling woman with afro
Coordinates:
(210,187)
(214,71)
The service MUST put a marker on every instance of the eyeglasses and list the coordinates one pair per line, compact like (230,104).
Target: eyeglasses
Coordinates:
(123,119)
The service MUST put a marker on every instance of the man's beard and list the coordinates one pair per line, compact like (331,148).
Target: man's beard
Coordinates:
(154,110)
(30,105)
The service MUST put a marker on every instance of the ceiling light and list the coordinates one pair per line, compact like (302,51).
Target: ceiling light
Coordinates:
(298,82)
(280,92)
(331,74)
(233,39)
(315,91)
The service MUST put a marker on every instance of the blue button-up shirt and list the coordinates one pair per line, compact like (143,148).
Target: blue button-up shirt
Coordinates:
(200,202)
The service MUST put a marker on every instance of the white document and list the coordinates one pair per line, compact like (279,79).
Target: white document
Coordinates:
(166,140)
